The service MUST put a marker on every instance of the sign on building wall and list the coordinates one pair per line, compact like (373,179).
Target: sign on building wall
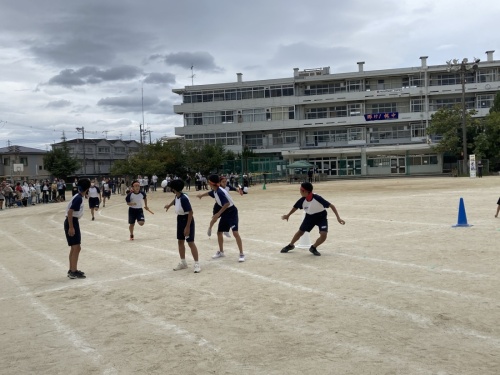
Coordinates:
(382,116)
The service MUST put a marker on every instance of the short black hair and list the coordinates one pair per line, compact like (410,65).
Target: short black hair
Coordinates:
(307,186)
(213,178)
(177,185)
(83,184)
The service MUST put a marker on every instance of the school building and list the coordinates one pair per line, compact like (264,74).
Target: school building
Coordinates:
(361,123)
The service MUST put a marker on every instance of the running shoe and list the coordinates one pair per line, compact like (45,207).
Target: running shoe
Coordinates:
(218,254)
(287,248)
(181,266)
(313,250)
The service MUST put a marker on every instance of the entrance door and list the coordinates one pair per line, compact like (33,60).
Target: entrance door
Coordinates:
(398,164)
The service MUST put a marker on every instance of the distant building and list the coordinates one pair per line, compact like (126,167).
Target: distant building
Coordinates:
(98,155)
(359,123)
(22,163)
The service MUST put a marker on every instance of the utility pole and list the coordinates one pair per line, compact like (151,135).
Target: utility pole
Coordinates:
(462,68)
(82,130)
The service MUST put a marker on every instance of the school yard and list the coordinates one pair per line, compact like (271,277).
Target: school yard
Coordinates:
(397,290)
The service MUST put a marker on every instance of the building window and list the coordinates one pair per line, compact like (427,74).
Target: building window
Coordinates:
(384,107)
(103,150)
(291,137)
(40,167)
(416,105)
(418,130)
(23,161)
(355,134)
(120,150)
(6,161)
(227,117)
(485,101)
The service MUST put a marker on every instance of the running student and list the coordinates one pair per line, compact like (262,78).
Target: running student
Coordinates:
(74,211)
(227,188)
(228,214)
(136,200)
(185,225)
(315,208)
(94,195)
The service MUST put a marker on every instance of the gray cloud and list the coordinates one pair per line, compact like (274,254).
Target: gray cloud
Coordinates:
(93,75)
(58,104)
(128,103)
(200,60)
(160,78)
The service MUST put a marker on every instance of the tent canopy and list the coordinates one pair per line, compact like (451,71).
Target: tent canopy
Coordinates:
(300,164)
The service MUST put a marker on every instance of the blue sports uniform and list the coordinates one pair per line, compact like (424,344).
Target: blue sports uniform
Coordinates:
(229,218)
(316,213)
(75,204)
(135,213)
(182,209)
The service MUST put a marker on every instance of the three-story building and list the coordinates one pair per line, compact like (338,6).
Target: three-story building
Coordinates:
(359,123)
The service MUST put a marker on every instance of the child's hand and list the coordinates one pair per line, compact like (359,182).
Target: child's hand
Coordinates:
(341,221)
(166,207)
(285,217)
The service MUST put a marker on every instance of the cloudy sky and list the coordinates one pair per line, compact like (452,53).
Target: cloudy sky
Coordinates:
(102,64)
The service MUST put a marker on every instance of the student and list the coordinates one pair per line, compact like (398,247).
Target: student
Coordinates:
(228,214)
(136,200)
(94,195)
(185,225)
(106,191)
(498,207)
(74,211)
(315,208)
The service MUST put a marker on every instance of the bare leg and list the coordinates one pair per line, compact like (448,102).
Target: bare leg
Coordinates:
(194,250)
(131,229)
(296,236)
(73,257)
(182,249)
(498,210)
(238,241)
(220,239)
(321,239)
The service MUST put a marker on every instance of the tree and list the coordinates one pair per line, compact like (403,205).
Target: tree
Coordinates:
(496,104)
(60,163)
(447,123)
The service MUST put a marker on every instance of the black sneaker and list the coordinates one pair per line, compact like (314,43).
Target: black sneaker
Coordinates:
(83,273)
(76,275)
(287,248)
(313,250)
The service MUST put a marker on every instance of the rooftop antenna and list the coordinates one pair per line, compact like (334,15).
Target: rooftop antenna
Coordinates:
(192,75)
(106,133)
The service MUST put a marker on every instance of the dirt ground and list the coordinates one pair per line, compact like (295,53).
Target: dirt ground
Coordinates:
(397,290)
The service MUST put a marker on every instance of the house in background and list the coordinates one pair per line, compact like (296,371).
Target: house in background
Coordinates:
(22,163)
(96,156)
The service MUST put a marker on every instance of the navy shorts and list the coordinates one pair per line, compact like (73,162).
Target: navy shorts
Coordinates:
(228,220)
(77,238)
(94,202)
(181,225)
(310,221)
(135,214)
(498,201)
(106,194)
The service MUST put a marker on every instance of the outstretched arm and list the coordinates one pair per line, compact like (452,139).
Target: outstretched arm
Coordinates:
(337,214)
(203,195)
(285,217)
(167,206)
